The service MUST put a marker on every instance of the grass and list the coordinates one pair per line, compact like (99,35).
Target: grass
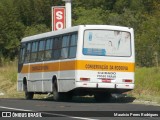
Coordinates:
(8,81)
(147,83)
(8,77)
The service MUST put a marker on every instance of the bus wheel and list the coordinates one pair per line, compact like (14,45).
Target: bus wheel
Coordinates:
(56,95)
(28,95)
(102,97)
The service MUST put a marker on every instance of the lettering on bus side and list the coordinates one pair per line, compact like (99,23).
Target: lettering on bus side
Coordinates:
(106,67)
(119,68)
(110,75)
(39,68)
(101,67)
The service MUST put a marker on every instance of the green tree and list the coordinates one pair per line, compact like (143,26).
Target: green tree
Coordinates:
(11,29)
(36,29)
(88,16)
(147,38)
(19,18)
(34,11)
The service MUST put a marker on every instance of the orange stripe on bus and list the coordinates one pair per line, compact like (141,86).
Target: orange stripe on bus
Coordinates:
(105,66)
(79,65)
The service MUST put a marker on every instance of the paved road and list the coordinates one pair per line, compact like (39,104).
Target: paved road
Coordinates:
(77,109)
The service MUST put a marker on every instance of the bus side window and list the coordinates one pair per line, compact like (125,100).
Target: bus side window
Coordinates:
(27,52)
(65,46)
(73,46)
(48,49)
(34,51)
(41,50)
(73,39)
(57,48)
(22,54)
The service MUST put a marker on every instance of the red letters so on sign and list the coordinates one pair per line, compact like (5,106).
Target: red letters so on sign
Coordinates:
(58,18)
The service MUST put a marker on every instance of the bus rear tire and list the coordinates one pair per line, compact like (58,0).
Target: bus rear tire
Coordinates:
(57,96)
(102,97)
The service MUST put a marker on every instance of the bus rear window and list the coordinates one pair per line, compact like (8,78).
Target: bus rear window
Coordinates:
(107,43)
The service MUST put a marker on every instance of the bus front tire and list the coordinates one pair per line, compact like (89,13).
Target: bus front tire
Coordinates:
(56,95)
(28,95)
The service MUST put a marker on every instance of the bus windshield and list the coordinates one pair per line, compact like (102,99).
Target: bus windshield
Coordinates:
(107,43)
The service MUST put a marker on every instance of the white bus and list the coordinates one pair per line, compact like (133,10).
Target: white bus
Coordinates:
(83,60)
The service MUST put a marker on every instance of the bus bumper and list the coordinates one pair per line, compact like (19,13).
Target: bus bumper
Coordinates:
(104,85)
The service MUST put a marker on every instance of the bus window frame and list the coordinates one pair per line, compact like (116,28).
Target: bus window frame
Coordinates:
(27,54)
(34,52)
(48,50)
(41,51)
(59,48)
(72,46)
(21,57)
(65,47)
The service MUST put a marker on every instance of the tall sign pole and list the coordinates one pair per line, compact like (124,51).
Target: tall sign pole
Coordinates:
(68,13)
(62,16)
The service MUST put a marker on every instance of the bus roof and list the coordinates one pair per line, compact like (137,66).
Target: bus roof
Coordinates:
(72,29)
(49,34)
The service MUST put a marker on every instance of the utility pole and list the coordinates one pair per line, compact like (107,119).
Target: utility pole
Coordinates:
(68,13)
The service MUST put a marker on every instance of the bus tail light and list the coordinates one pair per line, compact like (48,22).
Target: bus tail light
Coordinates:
(85,79)
(107,80)
(127,80)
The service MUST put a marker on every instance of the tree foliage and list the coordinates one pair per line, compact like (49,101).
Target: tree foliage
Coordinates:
(20,18)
